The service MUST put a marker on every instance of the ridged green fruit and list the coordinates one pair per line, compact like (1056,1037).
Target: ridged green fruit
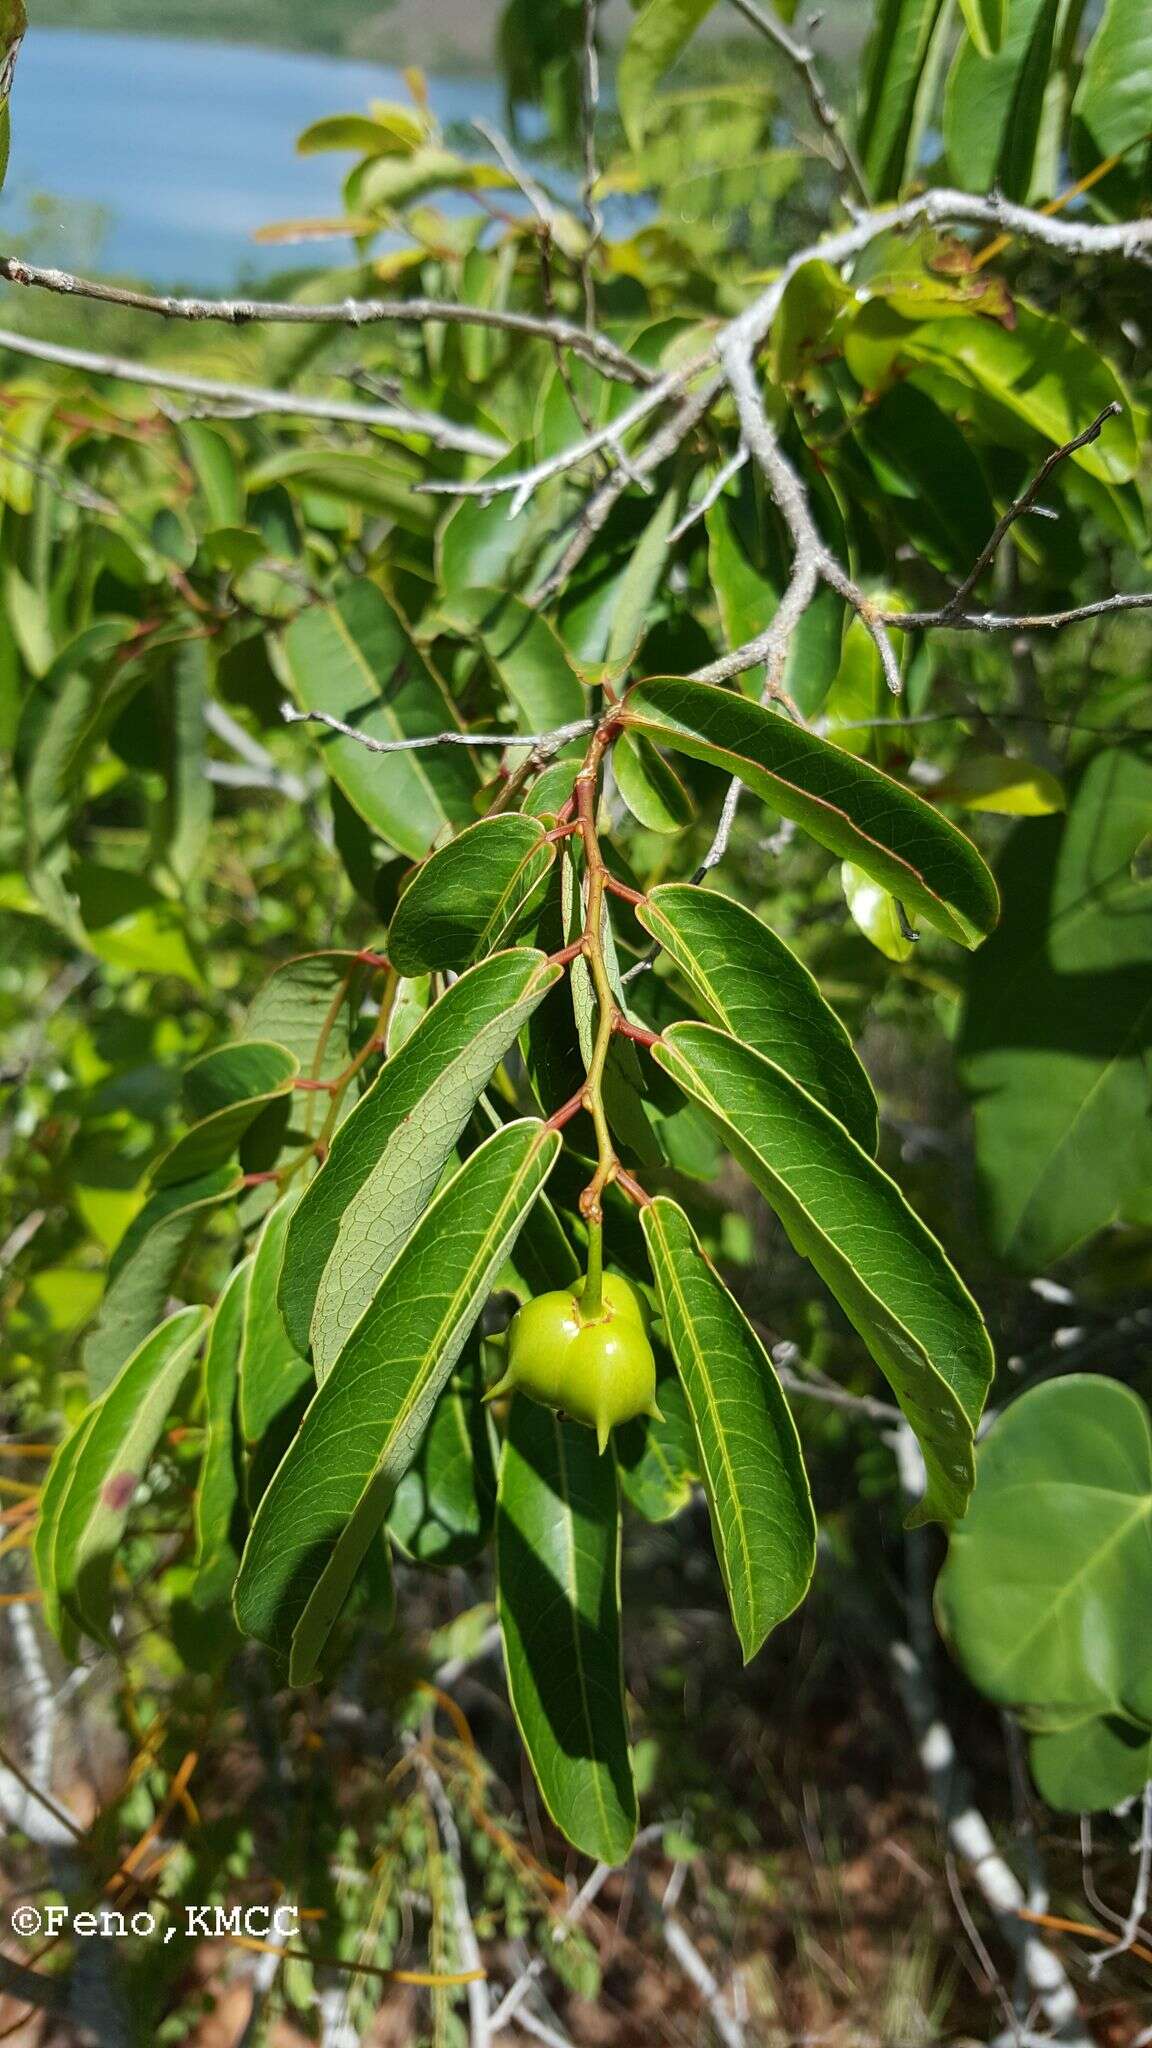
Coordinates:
(599,1370)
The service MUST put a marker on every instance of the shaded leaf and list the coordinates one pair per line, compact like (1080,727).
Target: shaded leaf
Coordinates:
(143,1270)
(660,31)
(471,896)
(894,70)
(226,1091)
(558,1567)
(218,1491)
(444,1506)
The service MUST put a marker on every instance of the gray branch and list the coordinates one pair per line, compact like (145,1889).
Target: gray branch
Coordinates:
(542,744)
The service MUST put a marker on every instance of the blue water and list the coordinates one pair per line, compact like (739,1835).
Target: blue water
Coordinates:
(160,157)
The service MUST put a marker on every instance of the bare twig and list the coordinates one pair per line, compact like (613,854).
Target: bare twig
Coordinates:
(803,58)
(255,399)
(589,104)
(543,744)
(1017,622)
(705,502)
(468,1948)
(589,1891)
(1130,1931)
(684,1951)
(596,348)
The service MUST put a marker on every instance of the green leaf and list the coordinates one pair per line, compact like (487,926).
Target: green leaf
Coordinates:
(558,1567)
(985,21)
(1055,1032)
(756,988)
(763,1525)
(661,30)
(651,789)
(875,913)
(144,1268)
(637,587)
(395,131)
(852,1223)
(921,458)
(526,652)
(101,1476)
(444,1506)
(895,65)
(185,819)
(271,1371)
(218,1492)
(1049,1578)
(748,574)
(1003,783)
(658,1456)
(388,1155)
(309,1007)
(848,806)
(225,1091)
(1040,372)
(131,925)
(471,896)
(331,1492)
(219,479)
(994,104)
(1092,1767)
(349,476)
(1112,110)
(355,660)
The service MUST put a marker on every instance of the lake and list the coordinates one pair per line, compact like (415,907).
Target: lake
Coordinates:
(160,157)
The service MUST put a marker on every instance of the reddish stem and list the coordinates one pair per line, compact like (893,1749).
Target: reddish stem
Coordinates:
(622,889)
(258,1180)
(639,1032)
(369,959)
(632,1188)
(315,1087)
(566,1112)
(567,953)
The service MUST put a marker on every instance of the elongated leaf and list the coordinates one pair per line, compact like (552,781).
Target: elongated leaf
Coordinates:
(651,789)
(218,1493)
(558,1565)
(763,1524)
(994,105)
(757,989)
(985,21)
(898,54)
(637,587)
(749,568)
(62,726)
(847,805)
(309,1007)
(102,1476)
(659,33)
(271,1370)
(472,896)
(1011,787)
(56,1610)
(844,1215)
(226,1091)
(355,660)
(1049,1578)
(185,818)
(1111,108)
(1055,1038)
(389,1154)
(144,1268)
(331,1493)
(526,652)
(444,1506)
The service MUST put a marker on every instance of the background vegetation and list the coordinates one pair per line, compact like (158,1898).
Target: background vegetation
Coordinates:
(837,1841)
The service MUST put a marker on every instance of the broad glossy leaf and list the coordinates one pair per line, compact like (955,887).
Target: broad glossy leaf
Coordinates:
(356,660)
(651,789)
(143,1270)
(1040,371)
(994,105)
(218,1493)
(225,1091)
(852,1223)
(1058,1024)
(444,1506)
(659,33)
(363,1428)
(388,1155)
(101,1476)
(309,1007)
(985,21)
(271,1370)
(894,70)
(558,1572)
(763,1525)
(1048,1581)
(472,896)
(1111,108)
(752,984)
(526,652)
(850,807)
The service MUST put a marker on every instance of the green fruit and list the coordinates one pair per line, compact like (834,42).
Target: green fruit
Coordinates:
(600,1371)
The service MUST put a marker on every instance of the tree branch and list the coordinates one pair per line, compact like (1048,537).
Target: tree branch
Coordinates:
(803,59)
(596,348)
(542,743)
(256,399)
